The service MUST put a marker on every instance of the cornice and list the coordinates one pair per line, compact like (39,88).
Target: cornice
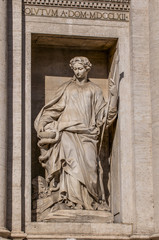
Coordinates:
(111,5)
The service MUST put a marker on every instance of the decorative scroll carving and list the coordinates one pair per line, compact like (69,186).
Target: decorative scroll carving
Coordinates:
(111,5)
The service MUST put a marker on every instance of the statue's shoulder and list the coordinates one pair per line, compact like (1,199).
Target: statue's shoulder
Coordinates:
(64,85)
(96,88)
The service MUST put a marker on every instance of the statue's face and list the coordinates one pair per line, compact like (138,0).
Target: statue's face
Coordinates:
(80,71)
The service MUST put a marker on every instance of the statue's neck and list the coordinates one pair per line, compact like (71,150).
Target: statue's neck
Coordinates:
(81,81)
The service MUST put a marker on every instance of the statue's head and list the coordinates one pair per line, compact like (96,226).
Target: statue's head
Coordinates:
(81,66)
(81,60)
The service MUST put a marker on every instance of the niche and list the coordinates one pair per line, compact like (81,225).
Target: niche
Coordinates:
(51,55)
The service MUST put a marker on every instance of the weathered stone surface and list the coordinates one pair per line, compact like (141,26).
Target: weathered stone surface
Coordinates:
(141,118)
(79,230)
(3,116)
(154,73)
(79,216)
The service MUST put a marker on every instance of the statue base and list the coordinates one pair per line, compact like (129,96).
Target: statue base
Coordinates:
(79,216)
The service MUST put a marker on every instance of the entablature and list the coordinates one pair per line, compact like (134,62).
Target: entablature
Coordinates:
(114,5)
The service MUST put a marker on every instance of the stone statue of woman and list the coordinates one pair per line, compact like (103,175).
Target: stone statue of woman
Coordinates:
(68,129)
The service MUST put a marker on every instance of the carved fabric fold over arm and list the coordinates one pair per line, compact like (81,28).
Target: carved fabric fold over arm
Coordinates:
(112,108)
(100,106)
(112,114)
(52,114)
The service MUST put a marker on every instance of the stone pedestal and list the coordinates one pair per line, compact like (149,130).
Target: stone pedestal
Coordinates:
(53,231)
(79,216)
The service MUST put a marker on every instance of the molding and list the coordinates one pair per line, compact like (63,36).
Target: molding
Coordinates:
(155,236)
(22,235)
(18,235)
(76,237)
(140,237)
(5,233)
(88,237)
(112,10)
(111,5)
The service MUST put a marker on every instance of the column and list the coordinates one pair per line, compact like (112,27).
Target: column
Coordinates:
(143,219)
(154,73)
(17,232)
(3,116)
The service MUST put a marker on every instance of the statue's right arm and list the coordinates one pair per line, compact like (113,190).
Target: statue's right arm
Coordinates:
(44,120)
(51,113)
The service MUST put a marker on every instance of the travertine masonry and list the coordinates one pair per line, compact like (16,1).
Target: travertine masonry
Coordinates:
(17,121)
(141,116)
(154,80)
(3,114)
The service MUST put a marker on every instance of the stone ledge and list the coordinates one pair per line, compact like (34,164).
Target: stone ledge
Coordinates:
(139,237)
(78,230)
(5,233)
(155,236)
(74,231)
(82,237)
(79,216)
(18,235)
(91,237)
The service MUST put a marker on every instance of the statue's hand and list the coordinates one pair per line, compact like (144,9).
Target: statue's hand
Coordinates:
(112,87)
(40,129)
(48,138)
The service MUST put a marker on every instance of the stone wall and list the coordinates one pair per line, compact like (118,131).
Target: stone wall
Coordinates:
(3,112)
(141,117)
(154,73)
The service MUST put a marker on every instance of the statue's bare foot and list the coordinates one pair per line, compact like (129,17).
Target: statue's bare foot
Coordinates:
(78,207)
(103,206)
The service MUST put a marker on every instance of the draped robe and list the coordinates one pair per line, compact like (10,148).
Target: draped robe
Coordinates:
(77,112)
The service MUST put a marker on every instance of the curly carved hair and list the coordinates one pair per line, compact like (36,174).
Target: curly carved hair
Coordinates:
(82,60)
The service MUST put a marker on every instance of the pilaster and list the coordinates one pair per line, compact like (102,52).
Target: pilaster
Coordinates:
(154,73)
(3,117)
(17,122)
(141,117)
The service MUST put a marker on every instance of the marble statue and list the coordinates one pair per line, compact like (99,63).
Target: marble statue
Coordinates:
(68,128)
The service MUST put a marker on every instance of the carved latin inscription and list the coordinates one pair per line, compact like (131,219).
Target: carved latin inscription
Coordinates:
(77,14)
